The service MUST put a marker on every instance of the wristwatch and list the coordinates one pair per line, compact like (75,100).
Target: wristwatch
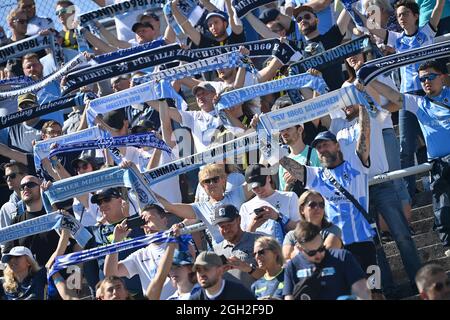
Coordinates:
(253,268)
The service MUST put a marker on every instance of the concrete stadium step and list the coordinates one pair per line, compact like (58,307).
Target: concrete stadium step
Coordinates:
(423,212)
(423,226)
(417,296)
(400,276)
(431,252)
(422,199)
(421,240)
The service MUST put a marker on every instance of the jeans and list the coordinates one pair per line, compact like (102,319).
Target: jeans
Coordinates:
(392,148)
(384,199)
(440,186)
(409,130)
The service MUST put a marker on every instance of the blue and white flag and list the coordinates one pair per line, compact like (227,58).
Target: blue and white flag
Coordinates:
(147,139)
(304,80)
(45,223)
(351,7)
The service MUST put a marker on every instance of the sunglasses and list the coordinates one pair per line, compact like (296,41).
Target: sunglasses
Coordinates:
(63,11)
(106,200)
(312,253)
(439,286)
(314,204)
(209,180)
(28,185)
(260,252)
(429,77)
(306,16)
(11,176)
(21,21)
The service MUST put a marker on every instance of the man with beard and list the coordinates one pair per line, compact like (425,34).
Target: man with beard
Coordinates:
(316,43)
(42,244)
(352,175)
(341,275)
(210,270)
(433,283)
(217,22)
(143,262)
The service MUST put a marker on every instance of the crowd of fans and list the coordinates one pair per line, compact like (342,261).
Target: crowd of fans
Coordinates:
(273,231)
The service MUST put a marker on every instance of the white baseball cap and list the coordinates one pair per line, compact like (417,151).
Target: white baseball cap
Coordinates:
(17,252)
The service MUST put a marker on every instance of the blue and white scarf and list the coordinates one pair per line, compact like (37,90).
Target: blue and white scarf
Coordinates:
(22,47)
(135,140)
(45,223)
(350,6)
(20,81)
(110,56)
(243,7)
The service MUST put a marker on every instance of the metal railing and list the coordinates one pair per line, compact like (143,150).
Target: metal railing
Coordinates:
(424,167)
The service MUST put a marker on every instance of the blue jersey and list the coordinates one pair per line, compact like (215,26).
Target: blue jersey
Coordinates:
(353,176)
(402,42)
(266,287)
(434,121)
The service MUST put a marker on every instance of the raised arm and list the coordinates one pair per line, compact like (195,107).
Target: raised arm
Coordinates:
(363,142)
(260,27)
(182,210)
(98,43)
(343,21)
(184,23)
(112,265)
(269,71)
(155,287)
(395,97)
(13,154)
(437,13)
(235,22)
(174,114)
(111,38)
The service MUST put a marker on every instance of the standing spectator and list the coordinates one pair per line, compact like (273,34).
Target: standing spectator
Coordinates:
(301,153)
(271,212)
(42,244)
(65,11)
(426,8)
(217,22)
(324,8)
(17,23)
(412,37)
(312,209)
(23,278)
(210,271)
(237,246)
(339,273)
(143,262)
(35,23)
(268,256)
(433,283)
(315,42)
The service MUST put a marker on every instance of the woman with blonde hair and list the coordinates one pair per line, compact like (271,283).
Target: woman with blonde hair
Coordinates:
(23,278)
(312,209)
(269,257)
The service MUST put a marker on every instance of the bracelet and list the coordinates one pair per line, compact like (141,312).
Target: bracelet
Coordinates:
(58,280)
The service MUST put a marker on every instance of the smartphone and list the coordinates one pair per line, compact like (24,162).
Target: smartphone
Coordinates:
(135,222)
(258,211)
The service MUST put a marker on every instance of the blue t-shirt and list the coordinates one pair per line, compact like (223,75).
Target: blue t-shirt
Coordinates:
(340,271)
(353,176)
(434,121)
(402,42)
(31,288)
(272,288)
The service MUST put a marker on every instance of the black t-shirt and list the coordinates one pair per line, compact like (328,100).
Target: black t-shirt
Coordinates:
(42,244)
(231,291)
(233,38)
(332,75)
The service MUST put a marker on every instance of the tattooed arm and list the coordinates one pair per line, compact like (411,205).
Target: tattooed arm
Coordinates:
(363,143)
(296,169)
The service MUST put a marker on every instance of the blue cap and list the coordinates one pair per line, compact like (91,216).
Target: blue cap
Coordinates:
(324,135)
(182,258)
(217,13)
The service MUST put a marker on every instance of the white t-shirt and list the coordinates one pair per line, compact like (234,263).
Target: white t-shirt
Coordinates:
(144,263)
(284,202)
(87,217)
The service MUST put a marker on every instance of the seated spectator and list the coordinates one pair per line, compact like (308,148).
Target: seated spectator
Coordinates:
(345,276)
(23,278)
(210,271)
(217,22)
(113,288)
(35,23)
(235,179)
(268,256)
(312,209)
(433,283)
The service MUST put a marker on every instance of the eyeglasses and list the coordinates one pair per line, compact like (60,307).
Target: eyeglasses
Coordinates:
(11,176)
(306,16)
(107,200)
(260,252)
(429,77)
(312,253)
(21,21)
(439,286)
(28,185)
(54,133)
(83,166)
(209,180)
(314,204)
(26,105)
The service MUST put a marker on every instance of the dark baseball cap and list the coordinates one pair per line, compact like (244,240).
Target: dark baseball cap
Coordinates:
(324,135)
(85,159)
(217,13)
(115,118)
(225,213)
(105,194)
(299,9)
(138,25)
(254,177)
(269,15)
(182,258)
